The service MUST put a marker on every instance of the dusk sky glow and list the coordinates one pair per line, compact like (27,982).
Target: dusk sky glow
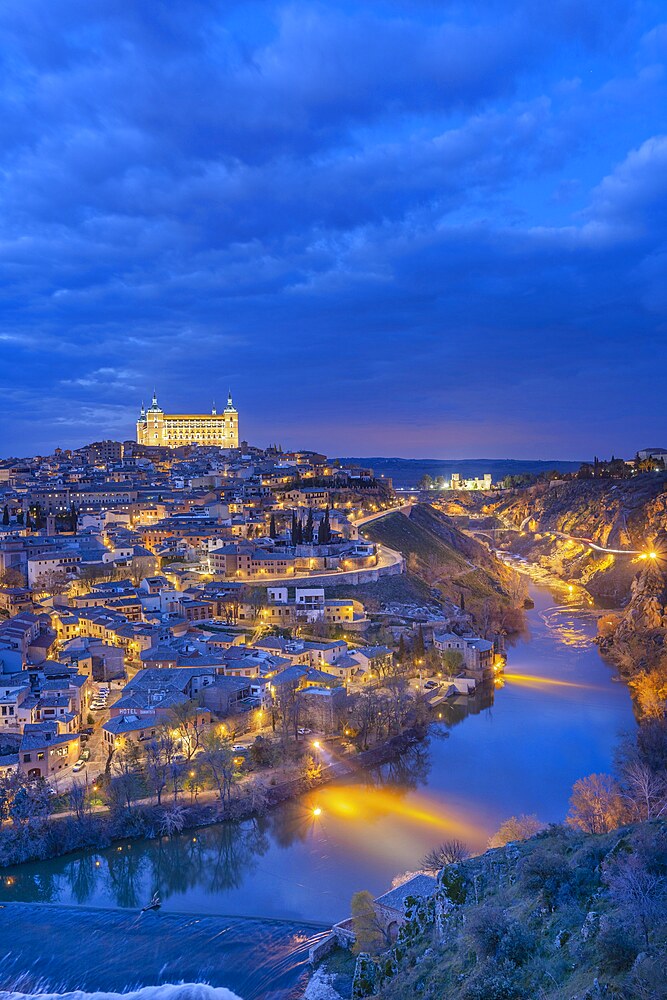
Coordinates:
(391,228)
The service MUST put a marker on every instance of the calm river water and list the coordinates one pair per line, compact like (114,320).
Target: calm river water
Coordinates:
(556,718)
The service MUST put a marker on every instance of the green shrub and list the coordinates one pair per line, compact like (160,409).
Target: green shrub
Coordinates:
(493,982)
(617,946)
(486,926)
(517,944)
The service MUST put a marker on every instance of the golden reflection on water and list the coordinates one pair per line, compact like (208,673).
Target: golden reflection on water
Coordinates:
(402,824)
(570,624)
(410,823)
(533,681)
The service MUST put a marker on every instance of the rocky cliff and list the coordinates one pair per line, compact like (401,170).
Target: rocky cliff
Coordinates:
(615,513)
(636,637)
(556,524)
(563,916)
(607,536)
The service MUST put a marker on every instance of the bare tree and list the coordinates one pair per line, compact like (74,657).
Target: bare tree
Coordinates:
(398,703)
(187,720)
(644,790)
(596,804)
(31,803)
(516,828)
(258,795)
(125,782)
(288,704)
(79,800)
(448,853)
(53,582)
(217,757)
(369,932)
(637,889)
(363,714)
(311,770)
(12,577)
(160,755)
(516,588)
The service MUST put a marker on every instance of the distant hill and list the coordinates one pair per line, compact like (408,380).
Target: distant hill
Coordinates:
(407,472)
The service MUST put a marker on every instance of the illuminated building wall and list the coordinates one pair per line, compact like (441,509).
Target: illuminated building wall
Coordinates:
(155,427)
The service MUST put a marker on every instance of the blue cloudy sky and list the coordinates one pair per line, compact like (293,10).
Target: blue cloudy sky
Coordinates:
(405,227)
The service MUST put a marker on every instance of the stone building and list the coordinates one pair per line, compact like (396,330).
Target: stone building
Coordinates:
(172,430)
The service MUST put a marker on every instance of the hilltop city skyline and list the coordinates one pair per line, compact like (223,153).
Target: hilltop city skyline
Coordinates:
(397,230)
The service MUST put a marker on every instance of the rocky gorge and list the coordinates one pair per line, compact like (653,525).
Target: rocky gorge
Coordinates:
(606,538)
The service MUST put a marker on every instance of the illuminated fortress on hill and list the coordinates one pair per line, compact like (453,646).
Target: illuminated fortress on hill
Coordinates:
(155,427)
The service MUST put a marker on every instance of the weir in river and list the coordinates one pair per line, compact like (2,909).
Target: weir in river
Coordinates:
(518,749)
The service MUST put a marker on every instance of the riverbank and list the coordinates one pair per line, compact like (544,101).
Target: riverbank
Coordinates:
(558,915)
(631,638)
(65,833)
(557,718)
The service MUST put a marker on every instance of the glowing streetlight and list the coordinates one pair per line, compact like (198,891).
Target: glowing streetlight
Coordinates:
(316,744)
(653,555)
(317,811)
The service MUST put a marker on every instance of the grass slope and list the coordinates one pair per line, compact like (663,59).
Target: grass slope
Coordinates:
(440,555)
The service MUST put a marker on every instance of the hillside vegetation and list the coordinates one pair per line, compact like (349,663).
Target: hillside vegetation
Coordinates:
(445,559)
(563,915)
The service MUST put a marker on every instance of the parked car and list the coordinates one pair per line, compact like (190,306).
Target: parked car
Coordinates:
(79,766)
(88,731)
(239,748)
(85,754)
(431,684)
(304,732)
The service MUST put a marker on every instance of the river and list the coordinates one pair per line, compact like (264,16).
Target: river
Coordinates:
(556,717)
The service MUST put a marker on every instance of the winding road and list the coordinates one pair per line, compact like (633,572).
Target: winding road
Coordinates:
(572,538)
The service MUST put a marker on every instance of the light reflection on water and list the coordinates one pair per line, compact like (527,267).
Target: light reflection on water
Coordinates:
(557,718)
(571,624)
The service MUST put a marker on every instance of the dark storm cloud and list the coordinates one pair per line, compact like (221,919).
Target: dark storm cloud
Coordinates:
(386,227)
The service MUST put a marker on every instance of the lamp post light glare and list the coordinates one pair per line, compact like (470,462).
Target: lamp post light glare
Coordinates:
(317,812)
